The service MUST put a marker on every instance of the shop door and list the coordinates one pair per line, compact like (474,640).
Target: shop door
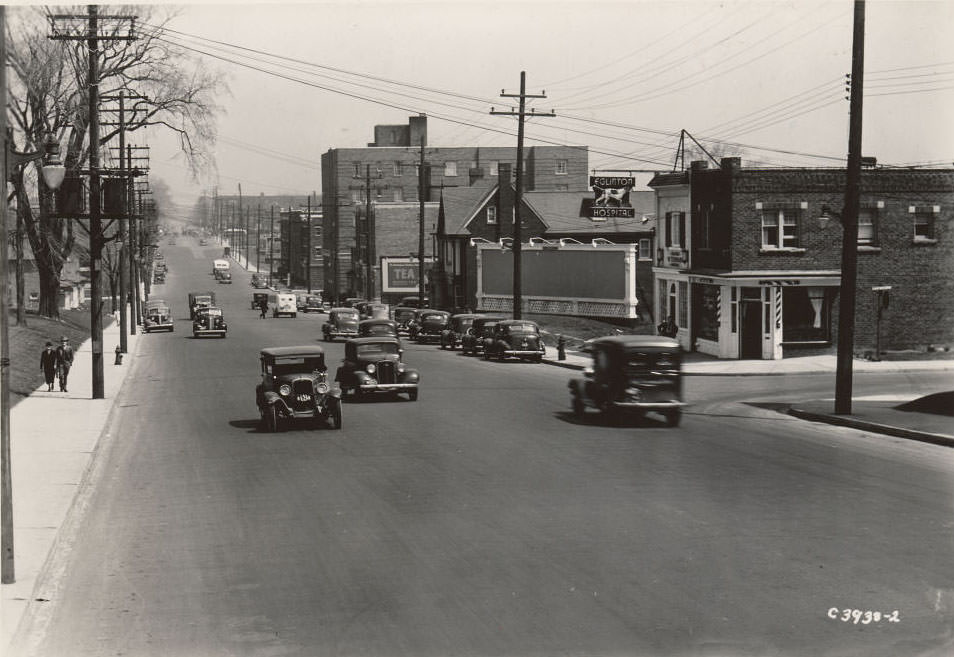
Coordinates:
(751,323)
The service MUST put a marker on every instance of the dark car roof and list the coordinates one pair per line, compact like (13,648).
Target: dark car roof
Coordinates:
(465,315)
(397,308)
(287,352)
(376,320)
(636,342)
(350,311)
(490,318)
(511,322)
(375,340)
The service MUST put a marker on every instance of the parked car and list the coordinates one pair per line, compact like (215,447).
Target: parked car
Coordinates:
(313,304)
(457,325)
(209,321)
(259,280)
(159,277)
(473,341)
(374,365)
(377,327)
(350,302)
(295,386)
(342,323)
(200,300)
(403,315)
(158,317)
(515,338)
(631,373)
(258,298)
(427,325)
(362,308)
(378,311)
(283,303)
(300,298)
(414,301)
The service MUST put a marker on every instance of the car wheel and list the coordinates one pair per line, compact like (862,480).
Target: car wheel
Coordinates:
(412,394)
(334,416)
(579,409)
(270,417)
(673,417)
(486,355)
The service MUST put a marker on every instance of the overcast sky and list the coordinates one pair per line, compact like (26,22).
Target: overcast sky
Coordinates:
(764,80)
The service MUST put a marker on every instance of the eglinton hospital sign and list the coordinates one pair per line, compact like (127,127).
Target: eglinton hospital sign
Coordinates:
(611,198)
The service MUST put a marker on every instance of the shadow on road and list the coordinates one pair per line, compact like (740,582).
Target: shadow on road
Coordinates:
(594,419)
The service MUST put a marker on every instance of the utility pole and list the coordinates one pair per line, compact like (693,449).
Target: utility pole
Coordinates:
(95,218)
(246,237)
(517,236)
(237,223)
(369,288)
(271,245)
(123,221)
(849,246)
(308,255)
(7,562)
(420,239)
(131,246)
(258,239)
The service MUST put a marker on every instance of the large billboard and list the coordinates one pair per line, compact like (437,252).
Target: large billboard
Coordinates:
(401,274)
(610,198)
(574,279)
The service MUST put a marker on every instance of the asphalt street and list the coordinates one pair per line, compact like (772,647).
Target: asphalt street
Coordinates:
(484,519)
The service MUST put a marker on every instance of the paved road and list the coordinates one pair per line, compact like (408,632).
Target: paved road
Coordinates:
(485,520)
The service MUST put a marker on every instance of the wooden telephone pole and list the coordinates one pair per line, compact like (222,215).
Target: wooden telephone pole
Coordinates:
(517,233)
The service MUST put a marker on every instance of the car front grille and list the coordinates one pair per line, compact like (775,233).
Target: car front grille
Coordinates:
(387,371)
(302,394)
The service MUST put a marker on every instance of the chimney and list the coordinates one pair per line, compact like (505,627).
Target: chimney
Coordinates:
(731,163)
(698,165)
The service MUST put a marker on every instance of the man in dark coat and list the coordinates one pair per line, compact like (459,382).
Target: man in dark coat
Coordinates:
(263,308)
(64,361)
(48,365)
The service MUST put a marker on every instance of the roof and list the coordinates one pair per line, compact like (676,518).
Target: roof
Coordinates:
(671,178)
(377,339)
(636,341)
(461,204)
(375,320)
(563,213)
(290,352)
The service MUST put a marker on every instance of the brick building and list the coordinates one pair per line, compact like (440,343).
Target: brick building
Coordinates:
(386,171)
(296,264)
(748,261)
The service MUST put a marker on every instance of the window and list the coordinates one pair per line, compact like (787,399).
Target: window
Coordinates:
(562,188)
(316,252)
(492,167)
(866,226)
(675,228)
(645,249)
(397,169)
(924,222)
(780,228)
(805,314)
(491,214)
(666,229)
(357,195)
(397,194)
(356,171)
(561,167)
(450,168)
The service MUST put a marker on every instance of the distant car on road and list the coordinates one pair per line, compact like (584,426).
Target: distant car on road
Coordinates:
(341,323)
(283,303)
(377,327)
(375,365)
(313,304)
(456,327)
(259,280)
(402,317)
(209,321)
(473,341)
(223,276)
(158,317)
(414,301)
(295,386)
(515,338)
(200,300)
(203,241)
(427,325)
(631,374)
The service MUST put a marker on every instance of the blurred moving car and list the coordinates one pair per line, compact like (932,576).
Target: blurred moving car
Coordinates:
(295,386)
(342,323)
(457,325)
(209,321)
(515,338)
(374,365)
(427,325)
(480,331)
(631,374)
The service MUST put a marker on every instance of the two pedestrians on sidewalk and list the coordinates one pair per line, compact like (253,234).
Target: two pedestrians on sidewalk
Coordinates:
(57,362)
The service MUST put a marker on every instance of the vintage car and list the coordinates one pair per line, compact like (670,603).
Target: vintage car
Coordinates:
(414,301)
(203,241)
(342,323)
(219,264)
(377,327)
(258,298)
(283,303)
(158,317)
(474,340)
(209,321)
(300,297)
(295,385)
(631,373)
(515,338)
(313,304)
(457,325)
(362,308)
(379,311)
(374,365)
(223,276)
(259,280)
(403,315)
(200,300)
(159,276)
(427,325)
(350,302)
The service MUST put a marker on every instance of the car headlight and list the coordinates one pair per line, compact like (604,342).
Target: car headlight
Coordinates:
(322,388)
(400,368)
(370,368)
(284,390)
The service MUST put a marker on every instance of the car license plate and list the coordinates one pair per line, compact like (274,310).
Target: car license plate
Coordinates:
(304,398)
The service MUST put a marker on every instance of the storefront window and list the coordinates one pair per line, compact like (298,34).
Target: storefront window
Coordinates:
(805,315)
(707,310)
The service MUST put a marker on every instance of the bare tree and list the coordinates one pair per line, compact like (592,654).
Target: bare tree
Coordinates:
(48,94)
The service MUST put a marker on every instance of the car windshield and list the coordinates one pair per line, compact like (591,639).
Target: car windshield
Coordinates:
(378,329)
(403,314)
(638,360)
(377,349)
(204,300)
(346,316)
(300,365)
(432,316)
(523,328)
(314,300)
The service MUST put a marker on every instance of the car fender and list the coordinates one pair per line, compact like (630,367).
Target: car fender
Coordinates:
(411,376)
(363,377)
(274,399)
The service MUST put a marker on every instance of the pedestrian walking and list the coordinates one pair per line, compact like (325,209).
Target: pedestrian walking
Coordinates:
(64,361)
(48,365)
(263,307)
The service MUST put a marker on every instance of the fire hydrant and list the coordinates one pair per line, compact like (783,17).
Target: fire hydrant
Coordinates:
(561,348)
(119,355)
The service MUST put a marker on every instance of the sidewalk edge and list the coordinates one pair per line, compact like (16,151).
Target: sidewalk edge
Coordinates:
(911,434)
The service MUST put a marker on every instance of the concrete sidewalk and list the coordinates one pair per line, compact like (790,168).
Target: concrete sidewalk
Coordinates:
(54,437)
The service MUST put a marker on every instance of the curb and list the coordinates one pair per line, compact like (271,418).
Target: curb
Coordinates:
(874,427)
(563,364)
